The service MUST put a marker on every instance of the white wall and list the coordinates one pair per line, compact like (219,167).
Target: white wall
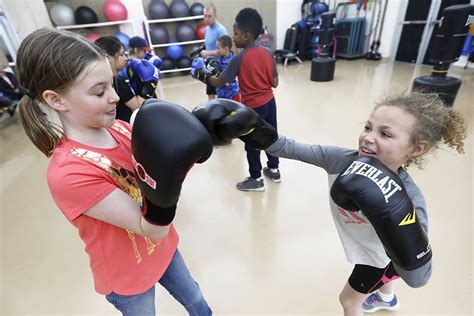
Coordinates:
(287,13)
(392,28)
(135,12)
(26,16)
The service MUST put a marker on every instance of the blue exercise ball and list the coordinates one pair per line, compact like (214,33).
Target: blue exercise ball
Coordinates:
(158,10)
(179,9)
(62,14)
(319,8)
(123,38)
(174,52)
(185,32)
(159,34)
(85,15)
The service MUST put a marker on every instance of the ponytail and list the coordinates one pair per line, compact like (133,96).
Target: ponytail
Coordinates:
(43,133)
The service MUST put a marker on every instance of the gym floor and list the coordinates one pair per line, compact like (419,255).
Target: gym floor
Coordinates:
(269,253)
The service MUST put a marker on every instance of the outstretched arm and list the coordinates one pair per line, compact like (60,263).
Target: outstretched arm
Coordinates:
(202,73)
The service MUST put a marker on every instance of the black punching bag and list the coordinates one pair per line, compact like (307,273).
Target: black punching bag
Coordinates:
(445,49)
(323,66)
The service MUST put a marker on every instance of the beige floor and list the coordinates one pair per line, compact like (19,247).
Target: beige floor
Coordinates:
(267,253)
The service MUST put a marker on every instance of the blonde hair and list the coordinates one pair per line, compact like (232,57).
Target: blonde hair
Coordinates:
(435,122)
(49,59)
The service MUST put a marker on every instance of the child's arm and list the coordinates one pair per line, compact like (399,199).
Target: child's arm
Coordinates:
(169,134)
(275,75)
(368,185)
(418,277)
(415,278)
(208,53)
(127,96)
(216,82)
(120,210)
(275,82)
(135,102)
(314,154)
(200,72)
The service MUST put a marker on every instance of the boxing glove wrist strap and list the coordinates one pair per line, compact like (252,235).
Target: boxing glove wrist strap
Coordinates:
(161,216)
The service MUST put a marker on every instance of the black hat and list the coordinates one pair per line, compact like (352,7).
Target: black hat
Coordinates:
(139,42)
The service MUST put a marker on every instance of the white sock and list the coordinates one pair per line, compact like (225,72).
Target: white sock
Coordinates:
(261,178)
(273,170)
(386,297)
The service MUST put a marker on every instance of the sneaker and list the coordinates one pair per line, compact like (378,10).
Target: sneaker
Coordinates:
(251,184)
(374,302)
(275,176)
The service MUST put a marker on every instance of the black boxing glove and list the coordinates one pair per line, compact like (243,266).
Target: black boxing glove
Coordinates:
(199,70)
(166,142)
(227,119)
(196,51)
(368,185)
(212,66)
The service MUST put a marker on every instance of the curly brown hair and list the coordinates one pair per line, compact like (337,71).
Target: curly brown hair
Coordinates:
(435,122)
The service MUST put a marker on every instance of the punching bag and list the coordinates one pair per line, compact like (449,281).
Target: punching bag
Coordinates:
(323,66)
(445,49)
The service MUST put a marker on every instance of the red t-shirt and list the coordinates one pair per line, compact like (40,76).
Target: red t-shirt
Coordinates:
(256,69)
(79,176)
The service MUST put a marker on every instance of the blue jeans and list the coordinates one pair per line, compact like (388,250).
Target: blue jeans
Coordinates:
(179,283)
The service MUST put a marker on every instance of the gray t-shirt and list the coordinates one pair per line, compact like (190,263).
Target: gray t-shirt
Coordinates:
(359,239)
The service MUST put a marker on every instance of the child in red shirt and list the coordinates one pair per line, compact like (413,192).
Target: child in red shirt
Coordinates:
(256,71)
(91,175)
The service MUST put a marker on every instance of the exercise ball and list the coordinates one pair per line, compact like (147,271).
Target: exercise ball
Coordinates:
(62,14)
(157,10)
(85,15)
(184,62)
(185,32)
(174,52)
(179,9)
(123,38)
(159,34)
(200,30)
(168,64)
(196,9)
(93,37)
(319,8)
(114,10)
